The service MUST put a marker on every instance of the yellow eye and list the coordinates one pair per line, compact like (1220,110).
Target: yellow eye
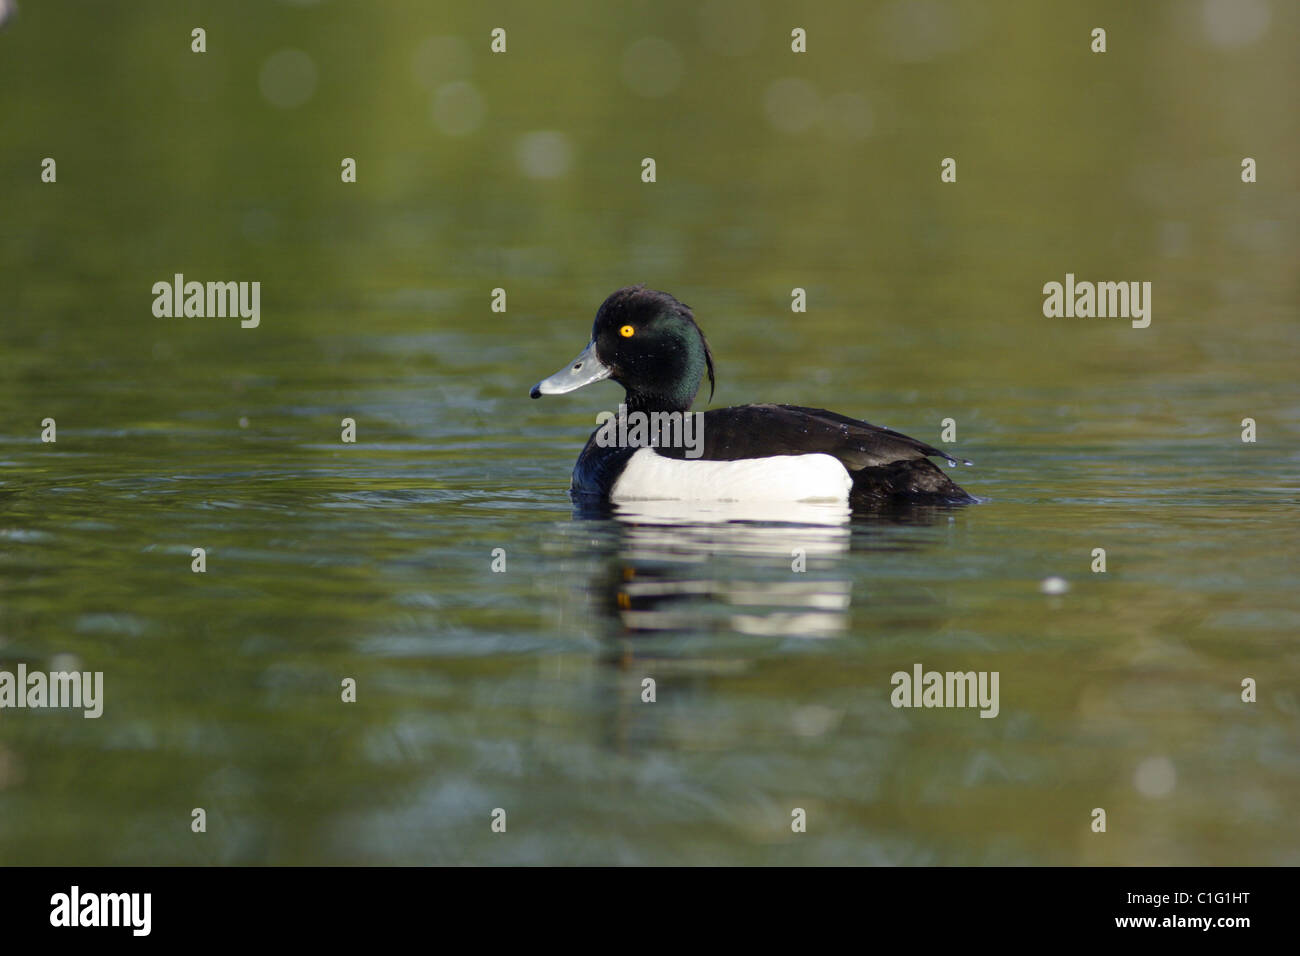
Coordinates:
(626,331)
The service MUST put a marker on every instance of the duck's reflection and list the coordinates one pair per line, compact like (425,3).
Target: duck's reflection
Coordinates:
(723,571)
(771,570)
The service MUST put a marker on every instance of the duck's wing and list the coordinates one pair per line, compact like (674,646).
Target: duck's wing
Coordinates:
(759,431)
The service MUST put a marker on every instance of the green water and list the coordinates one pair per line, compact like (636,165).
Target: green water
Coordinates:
(522,690)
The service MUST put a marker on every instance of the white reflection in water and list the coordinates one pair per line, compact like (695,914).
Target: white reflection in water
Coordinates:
(746,567)
(712,514)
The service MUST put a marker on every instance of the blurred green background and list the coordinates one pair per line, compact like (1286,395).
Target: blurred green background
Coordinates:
(522,690)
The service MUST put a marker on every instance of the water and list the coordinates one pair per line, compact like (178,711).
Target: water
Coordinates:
(522,690)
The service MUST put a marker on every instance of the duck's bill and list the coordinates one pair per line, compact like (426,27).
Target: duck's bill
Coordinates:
(583,370)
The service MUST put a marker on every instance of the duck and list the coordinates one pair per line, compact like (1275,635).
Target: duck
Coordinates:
(649,342)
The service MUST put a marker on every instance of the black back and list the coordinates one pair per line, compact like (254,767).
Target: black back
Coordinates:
(759,431)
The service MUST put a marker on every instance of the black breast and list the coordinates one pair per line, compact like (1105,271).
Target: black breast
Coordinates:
(598,468)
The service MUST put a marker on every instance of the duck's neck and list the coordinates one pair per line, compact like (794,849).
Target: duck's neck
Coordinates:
(647,403)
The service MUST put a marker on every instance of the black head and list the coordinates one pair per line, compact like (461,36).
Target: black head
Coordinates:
(649,343)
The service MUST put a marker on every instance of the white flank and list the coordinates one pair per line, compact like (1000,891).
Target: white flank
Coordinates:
(650,476)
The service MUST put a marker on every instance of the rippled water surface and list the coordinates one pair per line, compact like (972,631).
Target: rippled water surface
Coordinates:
(522,690)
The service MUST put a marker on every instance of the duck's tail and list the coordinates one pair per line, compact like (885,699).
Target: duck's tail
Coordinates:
(917,479)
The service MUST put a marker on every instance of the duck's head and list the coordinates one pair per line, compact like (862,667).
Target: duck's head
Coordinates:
(649,343)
